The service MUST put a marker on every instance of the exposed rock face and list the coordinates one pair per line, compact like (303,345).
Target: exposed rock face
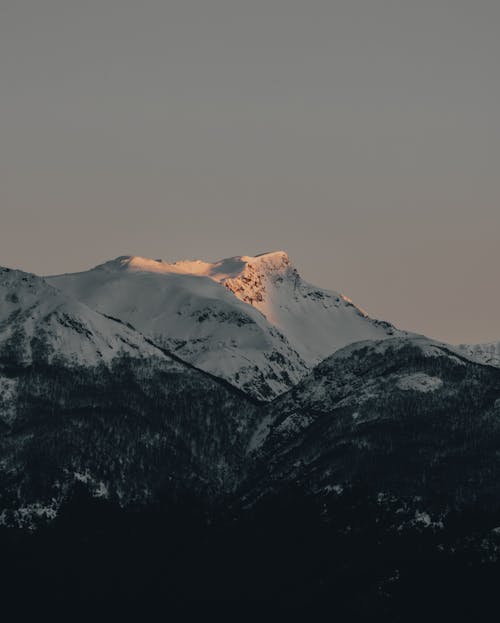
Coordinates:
(317,322)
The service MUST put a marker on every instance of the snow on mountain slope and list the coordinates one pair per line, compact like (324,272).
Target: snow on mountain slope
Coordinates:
(488,354)
(186,310)
(343,374)
(251,320)
(37,321)
(353,376)
(85,396)
(317,322)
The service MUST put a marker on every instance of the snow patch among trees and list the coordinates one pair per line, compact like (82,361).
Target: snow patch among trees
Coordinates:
(419,382)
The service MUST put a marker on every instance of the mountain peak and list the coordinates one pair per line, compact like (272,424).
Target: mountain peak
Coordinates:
(220,270)
(280,256)
(268,262)
(313,321)
(281,253)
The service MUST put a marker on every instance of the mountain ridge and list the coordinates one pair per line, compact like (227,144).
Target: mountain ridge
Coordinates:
(249,319)
(411,417)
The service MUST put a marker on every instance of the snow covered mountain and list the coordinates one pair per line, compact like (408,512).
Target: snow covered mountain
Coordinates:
(39,322)
(85,398)
(250,320)
(149,469)
(316,321)
(195,317)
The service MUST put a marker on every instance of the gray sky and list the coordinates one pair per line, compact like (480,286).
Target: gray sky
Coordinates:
(362,136)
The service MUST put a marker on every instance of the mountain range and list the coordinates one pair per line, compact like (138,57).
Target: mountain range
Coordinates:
(225,438)
(229,378)
(250,320)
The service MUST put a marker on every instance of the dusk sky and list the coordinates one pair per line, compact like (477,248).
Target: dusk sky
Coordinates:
(362,136)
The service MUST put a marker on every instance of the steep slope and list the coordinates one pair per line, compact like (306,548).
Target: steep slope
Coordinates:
(250,320)
(84,398)
(195,317)
(489,353)
(316,321)
(405,416)
(37,321)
